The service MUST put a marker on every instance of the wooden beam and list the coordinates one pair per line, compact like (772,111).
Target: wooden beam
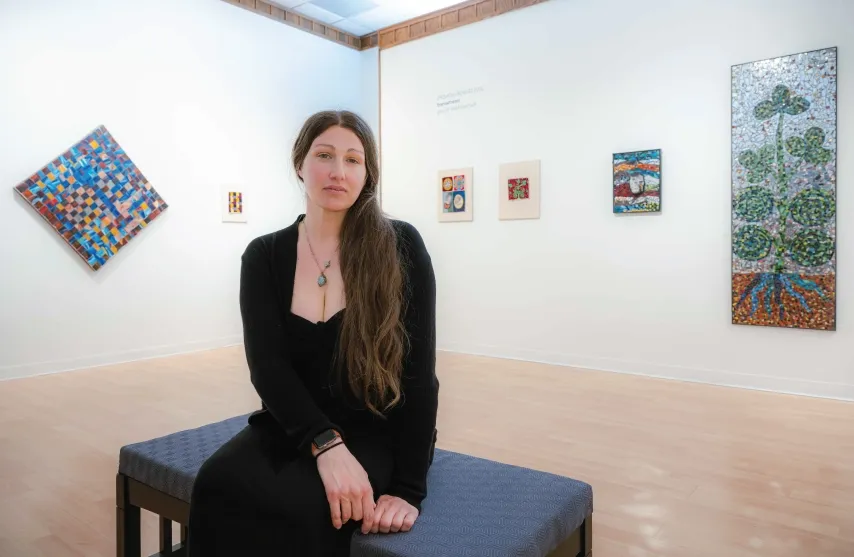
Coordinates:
(449,18)
(453,17)
(371,40)
(292,18)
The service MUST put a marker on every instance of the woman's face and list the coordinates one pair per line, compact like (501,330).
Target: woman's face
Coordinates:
(334,170)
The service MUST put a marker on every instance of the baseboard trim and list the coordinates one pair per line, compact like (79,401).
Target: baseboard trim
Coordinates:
(719,378)
(99,360)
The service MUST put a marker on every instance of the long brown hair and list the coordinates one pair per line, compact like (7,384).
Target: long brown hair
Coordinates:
(373,340)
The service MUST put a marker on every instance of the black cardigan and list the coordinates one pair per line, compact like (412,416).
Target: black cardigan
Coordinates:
(268,267)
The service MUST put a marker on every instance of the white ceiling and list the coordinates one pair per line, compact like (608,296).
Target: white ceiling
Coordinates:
(360,17)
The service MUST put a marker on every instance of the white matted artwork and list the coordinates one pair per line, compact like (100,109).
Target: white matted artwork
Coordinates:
(456,194)
(232,202)
(519,190)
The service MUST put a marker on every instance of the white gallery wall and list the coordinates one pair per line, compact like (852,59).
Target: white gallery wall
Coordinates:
(370,93)
(570,82)
(200,94)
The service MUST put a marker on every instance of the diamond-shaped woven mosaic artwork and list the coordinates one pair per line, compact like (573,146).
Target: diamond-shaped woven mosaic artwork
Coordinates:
(94,196)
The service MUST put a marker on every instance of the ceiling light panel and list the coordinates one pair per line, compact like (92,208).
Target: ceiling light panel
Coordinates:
(317,13)
(286,4)
(345,8)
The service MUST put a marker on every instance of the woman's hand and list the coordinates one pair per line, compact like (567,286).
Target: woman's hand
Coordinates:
(348,488)
(392,514)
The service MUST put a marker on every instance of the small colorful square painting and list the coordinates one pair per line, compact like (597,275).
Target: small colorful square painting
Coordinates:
(233,203)
(519,190)
(455,195)
(94,196)
(637,182)
(460,183)
(783,198)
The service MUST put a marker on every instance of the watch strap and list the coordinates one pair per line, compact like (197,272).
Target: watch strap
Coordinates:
(316,448)
(328,447)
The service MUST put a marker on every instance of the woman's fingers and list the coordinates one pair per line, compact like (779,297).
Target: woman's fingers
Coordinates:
(392,514)
(346,510)
(334,507)
(408,522)
(388,517)
(379,514)
(397,520)
(348,489)
(357,506)
(367,512)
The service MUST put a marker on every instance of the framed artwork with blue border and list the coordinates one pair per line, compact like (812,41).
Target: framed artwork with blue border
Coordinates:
(637,181)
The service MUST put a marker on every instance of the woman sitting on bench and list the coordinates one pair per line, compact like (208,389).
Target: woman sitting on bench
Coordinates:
(338,313)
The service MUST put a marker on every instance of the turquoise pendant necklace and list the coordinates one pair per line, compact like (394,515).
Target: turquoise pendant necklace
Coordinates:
(321,279)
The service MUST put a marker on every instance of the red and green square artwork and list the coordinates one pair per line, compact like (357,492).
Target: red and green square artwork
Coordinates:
(517,188)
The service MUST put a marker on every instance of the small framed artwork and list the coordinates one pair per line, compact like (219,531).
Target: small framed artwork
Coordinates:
(233,204)
(637,181)
(456,195)
(519,190)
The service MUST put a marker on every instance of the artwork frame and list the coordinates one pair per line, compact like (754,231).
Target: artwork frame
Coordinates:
(232,203)
(783,217)
(519,190)
(94,196)
(636,181)
(457,203)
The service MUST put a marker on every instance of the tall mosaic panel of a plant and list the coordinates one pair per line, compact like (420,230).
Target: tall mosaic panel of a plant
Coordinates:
(784,191)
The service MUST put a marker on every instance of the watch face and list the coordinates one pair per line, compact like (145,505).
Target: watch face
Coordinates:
(325,437)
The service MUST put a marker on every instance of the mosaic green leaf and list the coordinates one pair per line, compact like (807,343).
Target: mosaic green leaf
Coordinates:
(815,152)
(759,164)
(813,207)
(796,146)
(754,203)
(781,95)
(764,110)
(812,247)
(796,106)
(752,242)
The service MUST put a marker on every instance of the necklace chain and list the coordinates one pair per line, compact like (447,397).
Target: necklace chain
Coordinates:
(321,279)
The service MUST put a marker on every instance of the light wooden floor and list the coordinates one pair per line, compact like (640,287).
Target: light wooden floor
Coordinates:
(677,469)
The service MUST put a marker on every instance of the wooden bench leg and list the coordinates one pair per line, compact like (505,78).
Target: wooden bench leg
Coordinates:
(127,522)
(579,543)
(165,536)
(587,537)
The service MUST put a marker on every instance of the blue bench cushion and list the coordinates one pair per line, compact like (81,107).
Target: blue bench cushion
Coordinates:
(478,507)
(474,506)
(170,463)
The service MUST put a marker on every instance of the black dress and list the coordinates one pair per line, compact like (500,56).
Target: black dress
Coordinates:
(261,493)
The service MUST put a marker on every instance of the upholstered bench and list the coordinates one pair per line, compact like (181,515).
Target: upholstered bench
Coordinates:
(475,506)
